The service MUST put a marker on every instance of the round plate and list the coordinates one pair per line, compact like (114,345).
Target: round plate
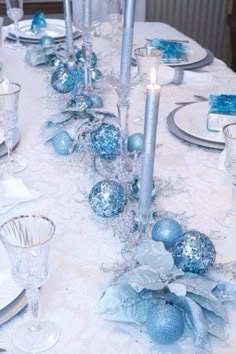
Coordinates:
(192,119)
(55,28)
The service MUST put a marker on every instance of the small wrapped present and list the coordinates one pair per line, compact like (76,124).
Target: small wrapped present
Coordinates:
(172,51)
(222,111)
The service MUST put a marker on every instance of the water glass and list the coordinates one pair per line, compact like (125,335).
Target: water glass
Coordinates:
(9,100)
(27,241)
(147,59)
(15,13)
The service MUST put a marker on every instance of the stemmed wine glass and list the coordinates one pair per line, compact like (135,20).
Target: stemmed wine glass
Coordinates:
(27,241)
(15,13)
(228,218)
(9,99)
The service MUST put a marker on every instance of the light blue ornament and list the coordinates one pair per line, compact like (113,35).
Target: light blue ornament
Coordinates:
(47,41)
(135,142)
(80,58)
(64,79)
(106,141)
(165,324)
(96,75)
(168,231)
(107,198)
(194,252)
(81,101)
(63,144)
(134,186)
(97,100)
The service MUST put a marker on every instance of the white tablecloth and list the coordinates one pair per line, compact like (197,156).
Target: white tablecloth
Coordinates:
(82,243)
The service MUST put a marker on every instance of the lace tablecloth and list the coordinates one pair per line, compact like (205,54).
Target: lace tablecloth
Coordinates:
(82,243)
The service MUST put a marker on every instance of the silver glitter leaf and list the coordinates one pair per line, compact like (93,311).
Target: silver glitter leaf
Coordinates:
(215,325)
(213,306)
(225,291)
(121,303)
(177,289)
(154,255)
(143,277)
(59,118)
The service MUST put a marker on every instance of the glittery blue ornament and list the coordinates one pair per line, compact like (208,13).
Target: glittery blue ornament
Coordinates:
(134,186)
(106,141)
(65,79)
(47,41)
(80,58)
(97,100)
(135,143)
(194,252)
(63,144)
(81,101)
(167,230)
(107,198)
(96,74)
(165,324)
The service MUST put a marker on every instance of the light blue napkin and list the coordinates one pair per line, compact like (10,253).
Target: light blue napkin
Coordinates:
(38,22)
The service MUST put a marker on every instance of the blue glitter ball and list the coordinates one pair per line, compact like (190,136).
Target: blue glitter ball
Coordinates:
(168,231)
(135,142)
(106,141)
(96,74)
(81,101)
(165,324)
(80,58)
(63,144)
(63,80)
(134,187)
(107,198)
(47,41)
(194,252)
(97,100)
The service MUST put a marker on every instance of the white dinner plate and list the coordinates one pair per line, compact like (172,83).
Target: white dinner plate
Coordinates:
(192,119)
(55,28)
(9,290)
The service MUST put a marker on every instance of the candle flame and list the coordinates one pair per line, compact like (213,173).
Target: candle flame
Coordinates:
(153,77)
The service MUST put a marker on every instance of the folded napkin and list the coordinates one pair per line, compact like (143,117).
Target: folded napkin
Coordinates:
(172,51)
(222,111)
(13,191)
(38,22)
(177,76)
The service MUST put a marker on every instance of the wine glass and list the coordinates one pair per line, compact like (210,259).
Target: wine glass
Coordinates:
(228,218)
(27,241)
(15,13)
(9,99)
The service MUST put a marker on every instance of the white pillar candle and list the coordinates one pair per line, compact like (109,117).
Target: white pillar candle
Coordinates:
(150,131)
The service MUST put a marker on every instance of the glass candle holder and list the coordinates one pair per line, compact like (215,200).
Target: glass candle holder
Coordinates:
(147,59)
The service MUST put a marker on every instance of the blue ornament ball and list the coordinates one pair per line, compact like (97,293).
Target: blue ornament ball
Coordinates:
(165,324)
(167,230)
(63,79)
(81,101)
(63,144)
(47,41)
(97,100)
(96,75)
(194,252)
(80,58)
(106,141)
(107,198)
(135,142)
(134,187)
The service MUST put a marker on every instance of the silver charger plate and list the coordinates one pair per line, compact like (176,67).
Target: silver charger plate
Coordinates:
(15,307)
(207,60)
(16,138)
(186,137)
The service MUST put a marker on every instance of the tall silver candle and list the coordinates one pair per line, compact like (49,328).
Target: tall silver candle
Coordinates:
(69,33)
(150,131)
(87,13)
(127,42)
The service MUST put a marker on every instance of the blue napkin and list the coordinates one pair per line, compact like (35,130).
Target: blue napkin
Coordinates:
(172,51)
(223,104)
(38,22)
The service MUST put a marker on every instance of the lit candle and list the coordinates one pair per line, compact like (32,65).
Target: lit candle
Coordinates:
(127,41)
(69,33)
(150,131)
(87,12)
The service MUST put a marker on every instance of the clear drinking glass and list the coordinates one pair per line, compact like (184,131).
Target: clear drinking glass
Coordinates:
(9,99)
(147,59)
(228,218)
(15,13)
(27,242)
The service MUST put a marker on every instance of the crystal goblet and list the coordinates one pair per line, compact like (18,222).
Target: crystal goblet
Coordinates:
(27,242)
(9,99)
(15,13)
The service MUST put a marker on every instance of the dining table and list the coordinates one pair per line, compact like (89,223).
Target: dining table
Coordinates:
(194,186)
